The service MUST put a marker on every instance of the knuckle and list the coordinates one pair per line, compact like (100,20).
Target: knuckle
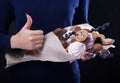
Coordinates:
(41,41)
(30,33)
(40,45)
(41,31)
(42,37)
(30,38)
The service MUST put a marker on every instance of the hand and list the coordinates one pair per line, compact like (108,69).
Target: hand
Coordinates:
(87,56)
(27,39)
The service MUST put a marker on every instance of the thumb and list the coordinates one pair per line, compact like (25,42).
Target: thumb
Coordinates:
(28,23)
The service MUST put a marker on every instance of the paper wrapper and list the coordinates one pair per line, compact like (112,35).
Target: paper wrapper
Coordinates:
(51,51)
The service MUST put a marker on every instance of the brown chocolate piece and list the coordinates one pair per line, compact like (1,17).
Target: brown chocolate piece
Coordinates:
(97,47)
(59,32)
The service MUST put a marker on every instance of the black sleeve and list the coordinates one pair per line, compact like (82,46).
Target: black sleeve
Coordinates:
(5,19)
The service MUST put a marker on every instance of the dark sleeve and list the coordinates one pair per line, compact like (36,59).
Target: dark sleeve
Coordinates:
(81,15)
(5,19)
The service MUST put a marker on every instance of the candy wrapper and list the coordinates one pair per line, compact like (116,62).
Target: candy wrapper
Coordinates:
(67,44)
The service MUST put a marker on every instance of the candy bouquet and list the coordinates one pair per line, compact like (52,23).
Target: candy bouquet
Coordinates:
(68,44)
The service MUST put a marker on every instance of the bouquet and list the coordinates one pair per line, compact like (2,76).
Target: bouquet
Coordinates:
(68,44)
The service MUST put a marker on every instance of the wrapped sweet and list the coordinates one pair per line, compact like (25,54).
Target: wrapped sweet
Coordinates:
(87,39)
(68,44)
(77,49)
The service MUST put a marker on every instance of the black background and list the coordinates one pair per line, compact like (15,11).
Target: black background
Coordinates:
(99,70)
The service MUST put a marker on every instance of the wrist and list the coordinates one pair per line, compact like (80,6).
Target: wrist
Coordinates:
(14,42)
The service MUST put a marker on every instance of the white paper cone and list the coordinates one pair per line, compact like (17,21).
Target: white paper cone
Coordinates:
(52,51)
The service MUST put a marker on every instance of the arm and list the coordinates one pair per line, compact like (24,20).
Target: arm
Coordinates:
(5,19)
(81,15)
(22,41)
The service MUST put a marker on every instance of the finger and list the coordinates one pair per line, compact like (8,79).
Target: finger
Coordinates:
(28,23)
(70,61)
(36,38)
(38,46)
(83,59)
(38,42)
(36,32)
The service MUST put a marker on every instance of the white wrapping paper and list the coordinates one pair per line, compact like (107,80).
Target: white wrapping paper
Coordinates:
(51,51)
